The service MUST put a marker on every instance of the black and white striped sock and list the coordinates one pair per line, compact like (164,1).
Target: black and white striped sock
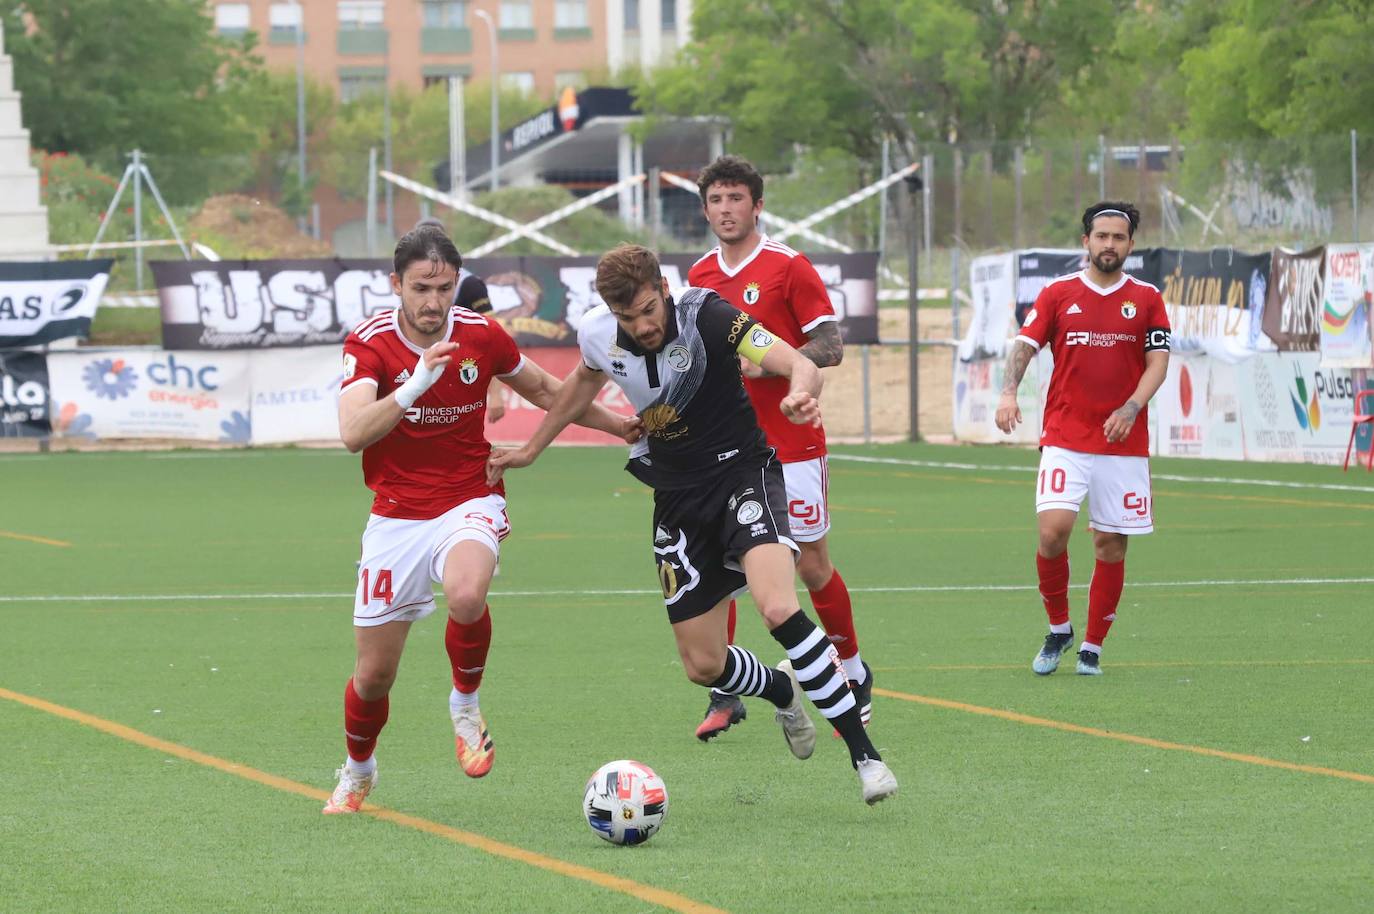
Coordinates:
(745,674)
(822,679)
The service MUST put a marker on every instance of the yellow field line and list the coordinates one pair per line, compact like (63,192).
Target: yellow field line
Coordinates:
(33,539)
(1142,664)
(1019,718)
(660,897)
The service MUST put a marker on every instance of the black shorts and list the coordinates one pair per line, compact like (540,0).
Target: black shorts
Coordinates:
(701,535)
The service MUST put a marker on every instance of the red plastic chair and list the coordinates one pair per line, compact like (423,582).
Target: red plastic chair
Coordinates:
(1361,416)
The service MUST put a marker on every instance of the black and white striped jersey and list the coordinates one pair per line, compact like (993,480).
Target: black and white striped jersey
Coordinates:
(697,417)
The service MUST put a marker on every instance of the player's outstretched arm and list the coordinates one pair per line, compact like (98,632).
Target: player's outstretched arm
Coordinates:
(802,404)
(1122,419)
(1008,412)
(364,419)
(540,388)
(572,400)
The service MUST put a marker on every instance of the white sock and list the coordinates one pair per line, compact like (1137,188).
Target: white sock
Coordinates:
(361,769)
(854,669)
(1091,648)
(1063,628)
(457,700)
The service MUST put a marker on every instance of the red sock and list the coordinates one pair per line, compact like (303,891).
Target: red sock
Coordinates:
(1104,592)
(837,615)
(467,650)
(730,626)
(363,720)
(1054,586)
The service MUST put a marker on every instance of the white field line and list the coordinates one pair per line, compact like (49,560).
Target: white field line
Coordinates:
(916,588)
(1223,480)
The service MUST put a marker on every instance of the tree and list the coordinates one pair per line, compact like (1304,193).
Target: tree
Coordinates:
(844,75)
(102,77)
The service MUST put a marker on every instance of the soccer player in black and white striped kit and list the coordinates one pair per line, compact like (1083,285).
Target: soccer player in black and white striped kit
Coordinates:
(720,506)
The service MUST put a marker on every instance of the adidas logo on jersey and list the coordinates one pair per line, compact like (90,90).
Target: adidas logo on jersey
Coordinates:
(1074,309)
(403,376)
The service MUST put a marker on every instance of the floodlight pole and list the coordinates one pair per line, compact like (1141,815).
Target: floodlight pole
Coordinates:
(495,97)
(300,106)
(914,185)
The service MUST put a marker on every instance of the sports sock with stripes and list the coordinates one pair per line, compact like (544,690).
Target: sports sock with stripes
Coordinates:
(745,674)
(822,679)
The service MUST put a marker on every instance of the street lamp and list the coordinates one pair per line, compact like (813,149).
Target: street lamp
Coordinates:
(495,98)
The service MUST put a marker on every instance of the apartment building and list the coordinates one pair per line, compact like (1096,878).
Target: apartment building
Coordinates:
(541,45)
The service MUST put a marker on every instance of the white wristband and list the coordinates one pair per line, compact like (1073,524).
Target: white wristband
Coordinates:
(420,380)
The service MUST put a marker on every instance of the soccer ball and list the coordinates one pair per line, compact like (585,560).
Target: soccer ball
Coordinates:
(625,802)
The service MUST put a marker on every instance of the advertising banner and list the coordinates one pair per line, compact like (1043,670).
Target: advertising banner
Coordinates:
(151,393)
(295,394)
(53,300)
(977,388)
(1210,296)
(1347,297)
(1197,410)
(1035,268)
(1294,410)
(992,280)
(1292,307)
(24,396)
(259,304)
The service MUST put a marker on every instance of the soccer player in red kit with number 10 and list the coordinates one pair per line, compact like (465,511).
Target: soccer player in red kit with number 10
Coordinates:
(1109,335)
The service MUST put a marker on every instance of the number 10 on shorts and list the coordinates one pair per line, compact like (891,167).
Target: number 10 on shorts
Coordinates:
(381,588)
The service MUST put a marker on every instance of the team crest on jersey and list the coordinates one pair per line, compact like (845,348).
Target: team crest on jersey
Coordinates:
(751,294)
(1128,310)
(467,371)
(350,365)
(749,512)
(678,357)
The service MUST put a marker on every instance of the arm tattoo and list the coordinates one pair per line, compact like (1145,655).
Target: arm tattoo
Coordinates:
(824,346)
(1130,410)
(1017,360)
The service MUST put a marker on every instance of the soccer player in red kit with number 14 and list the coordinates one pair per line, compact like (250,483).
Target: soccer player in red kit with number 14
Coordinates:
(781,289)
(1109,335)
(412,400)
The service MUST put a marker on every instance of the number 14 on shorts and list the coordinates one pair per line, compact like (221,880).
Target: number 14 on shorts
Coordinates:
(380,588)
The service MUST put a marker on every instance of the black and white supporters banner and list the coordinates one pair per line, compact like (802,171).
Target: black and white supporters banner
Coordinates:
(42,302)
(24,395)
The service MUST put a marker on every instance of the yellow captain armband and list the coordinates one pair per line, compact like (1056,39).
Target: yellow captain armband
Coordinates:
(755,344)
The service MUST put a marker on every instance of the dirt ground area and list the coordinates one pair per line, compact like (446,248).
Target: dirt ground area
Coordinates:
(842,402)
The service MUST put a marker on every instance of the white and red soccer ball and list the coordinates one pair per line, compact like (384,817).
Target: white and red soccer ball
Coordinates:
(625,802)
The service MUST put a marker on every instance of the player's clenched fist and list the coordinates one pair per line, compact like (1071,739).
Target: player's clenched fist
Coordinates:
(801,408)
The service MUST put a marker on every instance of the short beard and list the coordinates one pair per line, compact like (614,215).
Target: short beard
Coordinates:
(1115,267)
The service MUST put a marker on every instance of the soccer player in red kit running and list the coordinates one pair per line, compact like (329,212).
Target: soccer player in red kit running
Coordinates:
(1109,335)
(773,283)
(412,400)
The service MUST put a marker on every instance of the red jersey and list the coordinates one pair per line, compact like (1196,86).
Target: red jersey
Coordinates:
(781,289)
(436,456)
(1099,338)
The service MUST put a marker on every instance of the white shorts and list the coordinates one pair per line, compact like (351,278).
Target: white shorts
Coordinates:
(808,491)
(1117,488)
(403,559)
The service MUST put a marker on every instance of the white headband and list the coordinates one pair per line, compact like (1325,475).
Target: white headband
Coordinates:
(1111,212)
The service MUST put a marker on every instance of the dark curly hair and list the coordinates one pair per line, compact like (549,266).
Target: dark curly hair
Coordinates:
(1107,206)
